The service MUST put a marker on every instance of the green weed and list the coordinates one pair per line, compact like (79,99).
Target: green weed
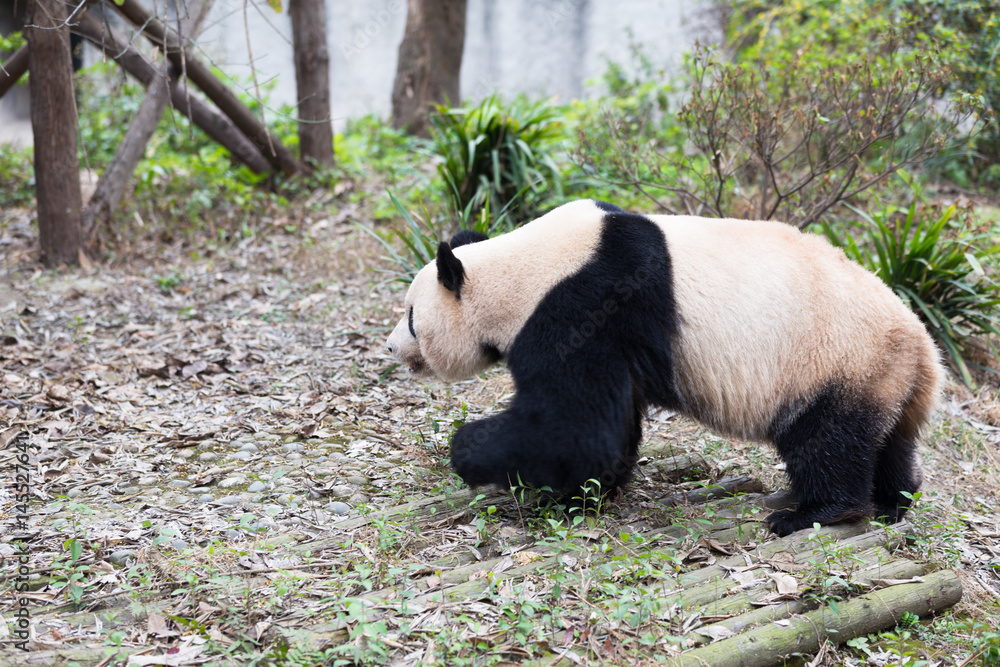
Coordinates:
(169,283)
(828,580)
(17,175)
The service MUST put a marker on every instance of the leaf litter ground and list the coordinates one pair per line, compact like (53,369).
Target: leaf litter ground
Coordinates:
(226,466)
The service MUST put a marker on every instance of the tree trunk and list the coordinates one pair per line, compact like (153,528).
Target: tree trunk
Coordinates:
(13,69)
(215,125)
(53,123)
(116,177)
(312,80)
(275,152)
(430,58)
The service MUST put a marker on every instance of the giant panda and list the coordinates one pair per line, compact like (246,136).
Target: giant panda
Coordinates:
(755,329)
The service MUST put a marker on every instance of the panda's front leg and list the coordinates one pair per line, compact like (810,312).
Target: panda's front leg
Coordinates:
(555,437)
(483,452)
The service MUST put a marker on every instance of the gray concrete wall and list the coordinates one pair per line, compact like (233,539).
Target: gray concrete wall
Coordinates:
(539,47)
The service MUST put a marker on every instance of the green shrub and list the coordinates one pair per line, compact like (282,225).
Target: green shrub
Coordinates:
(10,43)
(962,34)
(370,144)
(635,109)
(937,269)
(185,178)
(811,103)
(17,174)
(968,33)
(498,153)
(106,103)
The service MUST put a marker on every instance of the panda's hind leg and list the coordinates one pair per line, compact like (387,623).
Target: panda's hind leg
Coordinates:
(830,453)
(896,471)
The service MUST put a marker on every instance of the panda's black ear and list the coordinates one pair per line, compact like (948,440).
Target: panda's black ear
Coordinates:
(451,273)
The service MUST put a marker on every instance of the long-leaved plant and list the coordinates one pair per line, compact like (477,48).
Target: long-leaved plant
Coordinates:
(940,271)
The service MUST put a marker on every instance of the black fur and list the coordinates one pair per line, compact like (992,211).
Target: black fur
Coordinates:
(829,449)
(593,355)
(895,472)
(845,459)
(451,273)
(606,207)
(492,353)
(467,236)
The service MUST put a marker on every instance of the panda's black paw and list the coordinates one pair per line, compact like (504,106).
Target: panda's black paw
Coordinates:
(463,462)
(787,522)
(478,455)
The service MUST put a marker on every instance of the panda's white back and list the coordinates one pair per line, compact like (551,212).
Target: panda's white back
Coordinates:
(769,315)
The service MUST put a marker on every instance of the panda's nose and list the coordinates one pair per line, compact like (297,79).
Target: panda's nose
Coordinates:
(392,348)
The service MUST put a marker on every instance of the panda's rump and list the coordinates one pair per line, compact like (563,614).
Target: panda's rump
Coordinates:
(771,318)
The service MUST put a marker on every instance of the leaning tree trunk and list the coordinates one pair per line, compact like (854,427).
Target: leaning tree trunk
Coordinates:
(117,176)
(53,123)
(201,113)
(312,80)
(430,58)
(13,69)
(276,153)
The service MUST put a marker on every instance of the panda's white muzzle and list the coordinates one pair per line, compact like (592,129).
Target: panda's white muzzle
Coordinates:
(405,348)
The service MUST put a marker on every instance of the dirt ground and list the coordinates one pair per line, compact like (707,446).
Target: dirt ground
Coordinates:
(191,414)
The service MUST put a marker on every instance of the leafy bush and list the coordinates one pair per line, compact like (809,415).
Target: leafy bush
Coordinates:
(498,153)
(935,268)
(967,33)
(636,106)
(369,144)
(106,103)
(820,101)
(17,174)
(11,42)
(184,176)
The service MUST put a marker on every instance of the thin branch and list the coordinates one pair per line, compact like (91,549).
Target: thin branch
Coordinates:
(253,73)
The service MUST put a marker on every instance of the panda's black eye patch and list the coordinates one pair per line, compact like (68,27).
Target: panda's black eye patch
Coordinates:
(412,331)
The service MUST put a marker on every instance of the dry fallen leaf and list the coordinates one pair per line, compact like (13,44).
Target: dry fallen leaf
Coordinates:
(895,582)
(715,632)
(715,545)
(57,392)
(785,583)
(175,657)
(156,625)
(745,577)
(8,435)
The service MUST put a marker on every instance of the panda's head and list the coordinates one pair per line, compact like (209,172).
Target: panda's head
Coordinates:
(434,335)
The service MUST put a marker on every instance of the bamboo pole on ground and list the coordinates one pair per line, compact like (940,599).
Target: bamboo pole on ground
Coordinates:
(746,616)
(767,644)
